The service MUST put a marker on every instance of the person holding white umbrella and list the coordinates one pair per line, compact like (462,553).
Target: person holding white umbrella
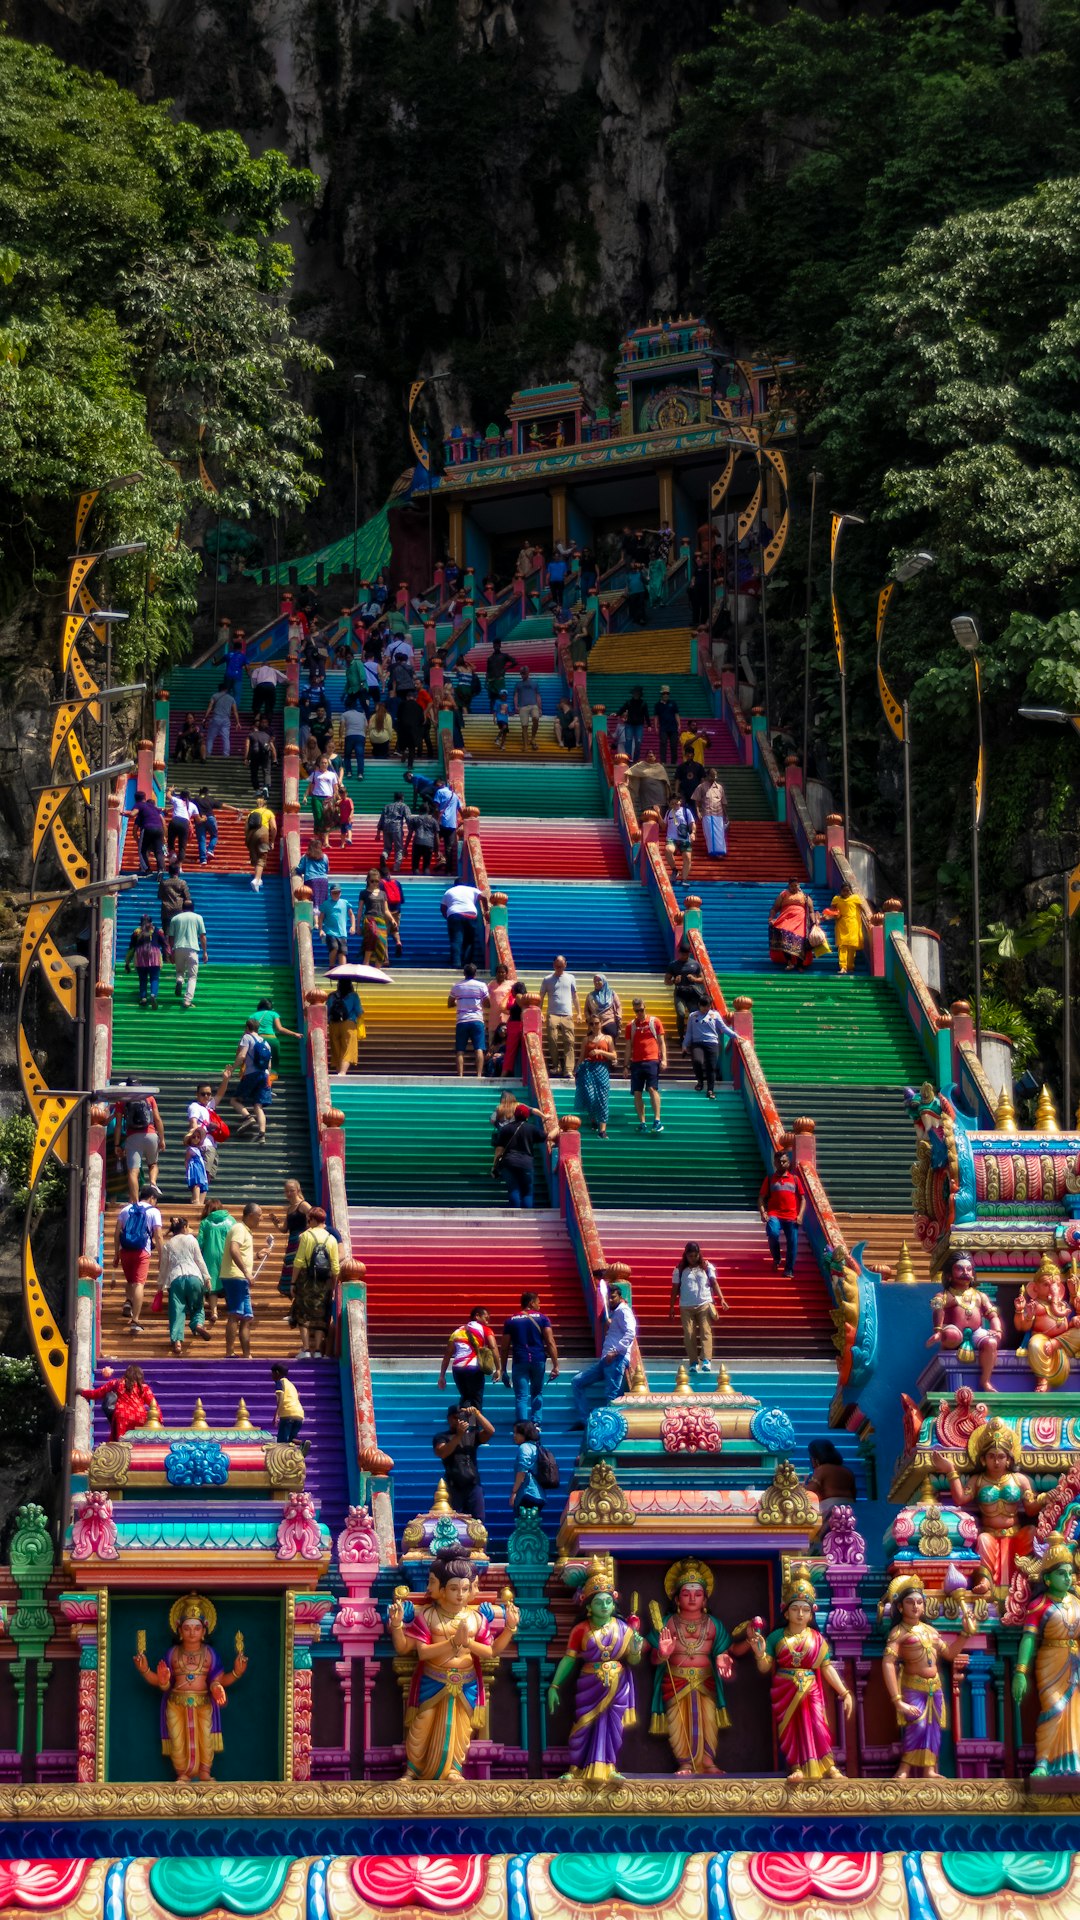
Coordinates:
(344,1026)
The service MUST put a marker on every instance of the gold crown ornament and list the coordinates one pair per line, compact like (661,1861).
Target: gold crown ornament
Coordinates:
(687,1573)
(193,1606)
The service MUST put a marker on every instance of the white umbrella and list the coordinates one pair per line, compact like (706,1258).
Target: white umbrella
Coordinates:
(359,972)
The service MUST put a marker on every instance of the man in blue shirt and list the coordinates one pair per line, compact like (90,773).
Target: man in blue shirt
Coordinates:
(614,1360)
(527,1339)
(336,920)
(448,807)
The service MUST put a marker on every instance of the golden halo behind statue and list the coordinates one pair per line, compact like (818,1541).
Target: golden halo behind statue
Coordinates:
(193,1604)
(688,1573)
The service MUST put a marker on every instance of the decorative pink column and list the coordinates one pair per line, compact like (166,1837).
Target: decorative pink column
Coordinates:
(357,1625)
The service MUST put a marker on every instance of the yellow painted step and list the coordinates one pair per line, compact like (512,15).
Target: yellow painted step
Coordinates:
(667,650)
(481,738)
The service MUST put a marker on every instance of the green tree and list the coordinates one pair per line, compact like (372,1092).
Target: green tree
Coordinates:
(144,326)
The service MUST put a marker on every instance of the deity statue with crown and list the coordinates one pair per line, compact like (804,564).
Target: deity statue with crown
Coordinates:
(1051,1636)
(606,1647)
(911,1665)
(451,1633)
(690,1652)
(799,1660)
(1005,1501)
(192,1680)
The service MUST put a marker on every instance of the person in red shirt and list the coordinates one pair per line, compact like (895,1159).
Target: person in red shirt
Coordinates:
(134,1402)
(781,1204)
(646,1055)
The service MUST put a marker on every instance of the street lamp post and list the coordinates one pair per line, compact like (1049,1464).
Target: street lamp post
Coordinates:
(896,713)
(358,380)
(1070,903)
(815,481)
(423,454)
(968,636)
(839,522)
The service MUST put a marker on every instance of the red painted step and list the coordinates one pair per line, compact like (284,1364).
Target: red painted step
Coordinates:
(721,752)
(557,849)
(537,655)
(757,851)
(231,854)
(427,1270)
(768,1313)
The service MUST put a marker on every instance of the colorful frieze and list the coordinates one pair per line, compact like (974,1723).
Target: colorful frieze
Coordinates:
(572,1885)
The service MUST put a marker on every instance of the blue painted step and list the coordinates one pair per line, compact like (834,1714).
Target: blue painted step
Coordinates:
(242,926)
(735,922)
(600,926)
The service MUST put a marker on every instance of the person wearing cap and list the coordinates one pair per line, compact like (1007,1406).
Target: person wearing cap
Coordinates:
(335,920)
(260,833)
(646,1055)
(666,715)
(133,1261)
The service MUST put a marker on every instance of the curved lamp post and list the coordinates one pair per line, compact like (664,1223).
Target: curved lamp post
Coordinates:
(838,522)
(423,455)
(968,636)
(896,711)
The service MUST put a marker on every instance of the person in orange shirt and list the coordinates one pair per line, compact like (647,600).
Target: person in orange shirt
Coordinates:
(646,1057)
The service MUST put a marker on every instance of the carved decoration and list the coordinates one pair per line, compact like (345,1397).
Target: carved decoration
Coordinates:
(603,1503)
(109,1464)
(786,1502)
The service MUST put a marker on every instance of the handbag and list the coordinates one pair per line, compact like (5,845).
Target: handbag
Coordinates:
(485,1359)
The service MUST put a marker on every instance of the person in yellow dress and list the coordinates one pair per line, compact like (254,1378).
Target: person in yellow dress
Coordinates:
(847,910)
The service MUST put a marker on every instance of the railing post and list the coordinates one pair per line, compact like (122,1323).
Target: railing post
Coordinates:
(804,1142)
(742,1019)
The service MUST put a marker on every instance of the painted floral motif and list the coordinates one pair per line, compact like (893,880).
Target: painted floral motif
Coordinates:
(441,1883)
(298,1535)
(646,1879)
(41,1886)
(772,1429)
(690,1430)
(196,1463)
(792,1877)
(196,1886)
(979,1874)
(358,1539)
(606,1430)
(93,1530)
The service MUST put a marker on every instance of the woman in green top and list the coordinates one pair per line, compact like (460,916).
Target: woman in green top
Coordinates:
(271,1028)
(214,1229)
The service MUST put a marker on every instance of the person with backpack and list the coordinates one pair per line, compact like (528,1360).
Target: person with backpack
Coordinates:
(147,948)
(273,1030)
(344,1026)
(517,1131)
(527,1344)
(138,1230)
(214,1229)
(260,753)
(680,830)
(143,1140)
(391,825)
(260,834)
(423,832)
(646,1058)
(536,1469)
(448,804)
(314,1276)
(128,1405)
(253,1093)
(472,1357)
(697,1291)
(687,977)
(466,1430)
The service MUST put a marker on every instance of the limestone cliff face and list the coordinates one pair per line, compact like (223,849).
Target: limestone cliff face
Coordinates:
(498,196)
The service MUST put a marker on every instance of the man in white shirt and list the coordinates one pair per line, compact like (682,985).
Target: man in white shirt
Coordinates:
(528,707)
(265,681)
(614,1359)
(462,906)
(559,999)
(469,997)
(182,811)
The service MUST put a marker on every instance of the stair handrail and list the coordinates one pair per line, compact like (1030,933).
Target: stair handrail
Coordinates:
(265,644)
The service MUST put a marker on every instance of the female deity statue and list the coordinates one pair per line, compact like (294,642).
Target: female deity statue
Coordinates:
(690,1652)
(193,1682)
(1053,1627)
(798,1658)
(910,1665)
(450,1637)
(1004,1498)
(604,1701)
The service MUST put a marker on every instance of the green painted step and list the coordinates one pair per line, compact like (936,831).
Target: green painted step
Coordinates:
(865,1143)
(246,1170)
(745,794)
(688,690)
(818,1028)
(544,791)
(707,1155)
(382,779)
(423,1142)
(202,1038)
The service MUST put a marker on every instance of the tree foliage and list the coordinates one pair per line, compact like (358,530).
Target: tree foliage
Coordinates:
(144,326)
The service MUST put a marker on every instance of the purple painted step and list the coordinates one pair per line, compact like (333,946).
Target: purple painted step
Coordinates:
(219,1384)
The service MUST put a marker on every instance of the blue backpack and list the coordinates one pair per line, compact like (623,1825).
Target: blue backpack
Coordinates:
(261,1055)
(135,1228)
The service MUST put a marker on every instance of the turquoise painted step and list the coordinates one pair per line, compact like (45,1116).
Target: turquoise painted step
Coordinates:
(707,1155)
(828,1029)
(382,779)
(541,792)
(426,1142)
(410,1410)
(600,926)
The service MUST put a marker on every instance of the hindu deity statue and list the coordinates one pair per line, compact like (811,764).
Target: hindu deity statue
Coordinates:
(607,1648)
(690,1652)
(193,1682)
(1044,1314)
(1052,1633)
(965,1318)
(799,1659)
(450,1634)
(911,1667)
(1004,1498)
